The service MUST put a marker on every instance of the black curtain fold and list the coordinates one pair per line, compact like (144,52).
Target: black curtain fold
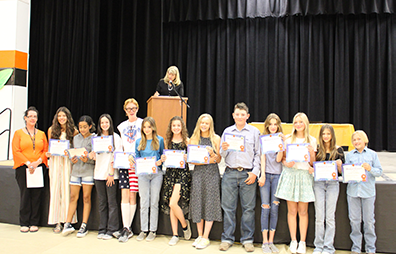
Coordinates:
(92,55)
(335,68)
(193,10)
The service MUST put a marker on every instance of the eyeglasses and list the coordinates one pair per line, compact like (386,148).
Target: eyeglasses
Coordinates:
(131,109)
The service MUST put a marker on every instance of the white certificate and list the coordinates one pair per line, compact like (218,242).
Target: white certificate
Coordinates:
(102,144)
(197,154)
(236,142)
(35,180)
(121,160)
(271,143)
(325,171)
(174,159)
(78,152)
(58,147)
(353,173)
(297,152)
(146,165)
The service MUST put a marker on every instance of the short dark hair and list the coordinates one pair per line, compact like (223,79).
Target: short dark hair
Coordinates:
(241,106)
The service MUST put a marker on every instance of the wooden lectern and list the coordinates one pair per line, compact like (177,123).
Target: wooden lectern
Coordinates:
(163,108)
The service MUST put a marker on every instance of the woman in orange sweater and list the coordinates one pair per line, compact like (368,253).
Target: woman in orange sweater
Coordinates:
(29,146)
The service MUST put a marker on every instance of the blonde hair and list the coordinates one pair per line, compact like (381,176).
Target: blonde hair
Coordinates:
(173,70)
(362,135)
(131,100)
(196,136)
(155,141)
(321,155)
(267,123)
(305,120)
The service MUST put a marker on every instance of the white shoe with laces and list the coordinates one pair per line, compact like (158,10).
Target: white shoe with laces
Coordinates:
(293,246)
(301,248)
(195,243)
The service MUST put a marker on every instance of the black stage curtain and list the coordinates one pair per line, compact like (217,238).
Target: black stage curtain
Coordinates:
(193,10)
(335,68)
(92,55)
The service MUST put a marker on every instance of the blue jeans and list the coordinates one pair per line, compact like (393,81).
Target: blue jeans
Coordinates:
(149,192)
(356,208)
(232,184)
(267,194)
(326,196)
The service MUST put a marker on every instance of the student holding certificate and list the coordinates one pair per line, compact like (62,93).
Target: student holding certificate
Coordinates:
(130,131)
(82,175)
(29,146)
(177,181)
(149,145)
(205,207)
(239,179)
(271,168)
(296,183)
(59,169)
(106,180)
(326,192)
(361,195)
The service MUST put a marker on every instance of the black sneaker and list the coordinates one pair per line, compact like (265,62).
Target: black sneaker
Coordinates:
(124,235)
(68,229)
(83,231)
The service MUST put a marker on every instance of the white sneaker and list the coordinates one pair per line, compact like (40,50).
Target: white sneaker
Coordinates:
(107,237)
(203,243)
(293,246)
(266,249)
(195,243)
(151,236)
(301,248)
(273,248)
(173,241)
(100,236)
(141,236)
(68,229)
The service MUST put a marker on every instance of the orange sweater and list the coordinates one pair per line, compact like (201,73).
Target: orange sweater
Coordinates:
(22,148)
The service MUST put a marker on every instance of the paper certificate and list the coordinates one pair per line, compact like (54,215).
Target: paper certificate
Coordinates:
(146,165)
(271,143)
(121,160)
(197,154)
(353,173)
(58,147)
(325,171)
(236,142)
(78,152)
(102,144)
(297,152)
(174,159)
(35,180)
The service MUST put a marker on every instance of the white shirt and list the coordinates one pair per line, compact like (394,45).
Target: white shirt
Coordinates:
(302,165)
(130,132)
(103,161)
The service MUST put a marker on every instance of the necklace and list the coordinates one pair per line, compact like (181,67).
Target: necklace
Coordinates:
(34,137)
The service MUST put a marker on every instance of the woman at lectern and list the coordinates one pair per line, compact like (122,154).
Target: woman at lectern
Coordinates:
(29,146)
(170,83)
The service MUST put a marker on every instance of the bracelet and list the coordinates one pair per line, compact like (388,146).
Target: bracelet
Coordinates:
(111,174)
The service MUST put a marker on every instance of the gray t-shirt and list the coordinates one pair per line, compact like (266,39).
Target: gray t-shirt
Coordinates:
(81,169)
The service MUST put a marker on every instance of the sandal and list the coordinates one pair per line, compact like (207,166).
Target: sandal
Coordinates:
(24,229)
(57,229)
(33,229)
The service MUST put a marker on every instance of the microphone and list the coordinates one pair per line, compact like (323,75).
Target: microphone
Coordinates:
(173,86)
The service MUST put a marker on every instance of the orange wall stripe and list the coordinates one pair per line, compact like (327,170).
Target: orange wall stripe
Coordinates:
(13,59)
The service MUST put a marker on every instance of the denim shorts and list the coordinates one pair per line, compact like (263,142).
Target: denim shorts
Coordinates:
(88,180)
